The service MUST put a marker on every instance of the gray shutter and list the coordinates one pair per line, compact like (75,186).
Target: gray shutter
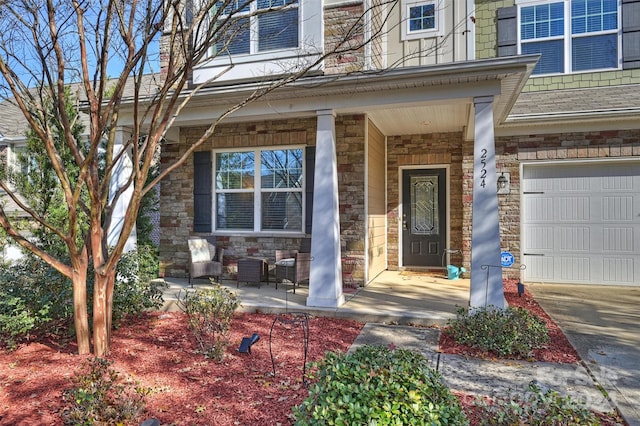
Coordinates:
(310,160)
(202,191)
(508,31)
(630,34)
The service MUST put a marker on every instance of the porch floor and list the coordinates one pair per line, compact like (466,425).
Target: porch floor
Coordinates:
(394,297)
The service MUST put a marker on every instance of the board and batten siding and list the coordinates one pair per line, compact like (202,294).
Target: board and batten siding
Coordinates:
(376,202)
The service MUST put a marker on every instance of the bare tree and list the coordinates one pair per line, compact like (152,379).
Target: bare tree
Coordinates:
(48,45)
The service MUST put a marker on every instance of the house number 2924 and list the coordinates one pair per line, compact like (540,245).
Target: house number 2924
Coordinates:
(483,170)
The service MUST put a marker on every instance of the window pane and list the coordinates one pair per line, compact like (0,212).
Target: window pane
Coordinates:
(422,17)
(235,37)
(281,169)
(593,16)
(265,4)
(542,21)
(235,170)
(595,52)
(552,60)
(282,210)
(278,30)
(234,211)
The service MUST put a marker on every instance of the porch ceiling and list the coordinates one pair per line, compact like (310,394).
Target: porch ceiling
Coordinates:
(412,100)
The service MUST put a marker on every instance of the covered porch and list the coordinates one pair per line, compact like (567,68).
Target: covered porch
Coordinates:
(394,297)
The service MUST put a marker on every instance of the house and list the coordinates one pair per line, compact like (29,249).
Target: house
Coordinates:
(467,129)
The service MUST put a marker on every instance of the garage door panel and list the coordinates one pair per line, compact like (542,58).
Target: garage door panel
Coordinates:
(573,269)
(541,238)
(618,270)
(581,223)
(573,209)
(618,240)
(541,210)
(573,239)
(618,209)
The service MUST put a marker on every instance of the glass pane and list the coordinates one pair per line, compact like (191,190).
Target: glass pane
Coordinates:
(597,52)
(282,210)
(593,16)
(265,4)
(235,170)
(542,21)
(422,17)
(424,205)
(552,59)
(234,211)
(235,37)
(281,168)
(278,30)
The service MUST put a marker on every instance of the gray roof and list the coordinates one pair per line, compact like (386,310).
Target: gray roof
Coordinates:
(578,101)
(14,125)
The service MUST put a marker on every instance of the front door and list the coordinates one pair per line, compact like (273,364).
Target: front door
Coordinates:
(424,213)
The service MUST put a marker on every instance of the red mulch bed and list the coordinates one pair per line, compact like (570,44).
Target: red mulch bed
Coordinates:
(158,351)
(558,350)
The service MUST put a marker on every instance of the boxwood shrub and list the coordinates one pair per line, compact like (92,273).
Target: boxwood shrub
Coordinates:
(377,385)
(511,332)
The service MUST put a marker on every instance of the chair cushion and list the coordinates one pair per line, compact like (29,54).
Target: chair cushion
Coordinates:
(199,249)
(289,262)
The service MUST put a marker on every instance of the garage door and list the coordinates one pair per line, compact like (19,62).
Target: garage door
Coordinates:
(581,223)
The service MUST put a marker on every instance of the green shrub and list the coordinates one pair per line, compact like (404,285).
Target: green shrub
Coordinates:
(16,319)
(100,396)
(135,291)
(536,408)
(509,332)
(376,385)
(209,314)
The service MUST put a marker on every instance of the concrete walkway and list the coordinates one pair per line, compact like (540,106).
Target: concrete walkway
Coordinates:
(603,325)
(398,299)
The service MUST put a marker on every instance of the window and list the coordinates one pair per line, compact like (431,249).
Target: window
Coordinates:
(571,36)
(420,19)
(259,190)
(258,26)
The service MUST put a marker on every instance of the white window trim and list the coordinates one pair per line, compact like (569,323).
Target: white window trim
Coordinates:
(257,191)
(568,37)
(251,66)
(439,19)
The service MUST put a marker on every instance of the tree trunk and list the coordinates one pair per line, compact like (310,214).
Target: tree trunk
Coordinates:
(80,315)
(102,312)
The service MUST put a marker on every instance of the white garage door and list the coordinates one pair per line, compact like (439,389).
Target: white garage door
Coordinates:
(581,223)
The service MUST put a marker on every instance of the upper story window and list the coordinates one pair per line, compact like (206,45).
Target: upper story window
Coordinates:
(421,19)
(571,36)
(259,190)
(258,26)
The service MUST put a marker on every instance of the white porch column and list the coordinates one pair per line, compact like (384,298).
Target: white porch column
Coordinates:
(325,282)
(486,270)
(122,171)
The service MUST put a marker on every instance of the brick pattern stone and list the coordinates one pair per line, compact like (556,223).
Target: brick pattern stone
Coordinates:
(176,218)
(176,193)
(512,151)
(426,151)
(344,29)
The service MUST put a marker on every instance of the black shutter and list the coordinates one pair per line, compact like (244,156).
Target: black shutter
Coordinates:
(202,191)
(508,31)
(630,34)
(310,160)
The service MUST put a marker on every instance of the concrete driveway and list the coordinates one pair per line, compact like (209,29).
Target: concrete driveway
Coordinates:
(603,324)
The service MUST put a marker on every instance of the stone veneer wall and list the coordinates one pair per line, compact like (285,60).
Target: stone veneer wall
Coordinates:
(338,21)
(511,151)
(176,199)
(350,133)
(424,150)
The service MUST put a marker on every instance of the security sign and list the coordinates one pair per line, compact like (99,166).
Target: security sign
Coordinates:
(507,259)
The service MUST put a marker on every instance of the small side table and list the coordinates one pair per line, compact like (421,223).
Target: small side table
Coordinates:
(252,270)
